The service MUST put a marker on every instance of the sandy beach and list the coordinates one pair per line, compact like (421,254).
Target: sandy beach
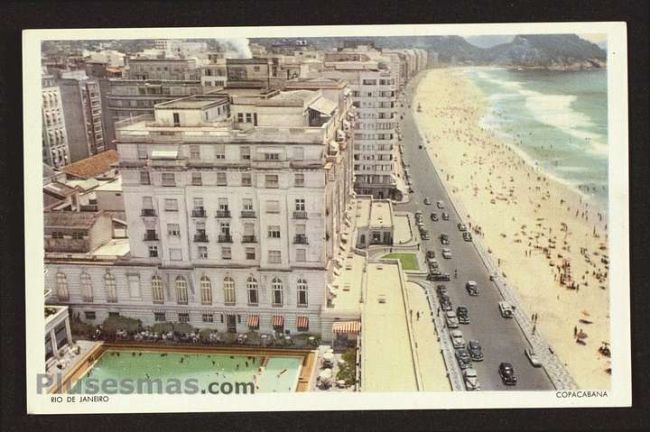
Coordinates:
(550,242)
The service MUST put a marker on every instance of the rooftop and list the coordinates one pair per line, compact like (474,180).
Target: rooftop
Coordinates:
(381,214)
(92,166)
(58,190)
(71,219)
(194,102)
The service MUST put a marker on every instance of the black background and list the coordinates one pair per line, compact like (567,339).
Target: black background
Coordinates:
(16,16)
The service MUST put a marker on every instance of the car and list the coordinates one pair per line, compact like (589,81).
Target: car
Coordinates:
(533,358)
(475,350)
(457,339)
(424,235)
(431,254)
(471,379)
(432,262)
(444,239)
(434,217)
(409,182)
(437,276)
(506,309)
(434,266)
(441,289)
(507,374)
(463,314)
(445,216)
(463,358)
(462,227)
(467,236)
(472,288)
(451,319)
(440,204)
(427,201)
(419,223)
(445,303)
(418,214)
(446,253)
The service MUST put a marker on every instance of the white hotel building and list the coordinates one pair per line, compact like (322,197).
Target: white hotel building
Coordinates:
(234,203)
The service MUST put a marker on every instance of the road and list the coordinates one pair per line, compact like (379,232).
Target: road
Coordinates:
(501,339)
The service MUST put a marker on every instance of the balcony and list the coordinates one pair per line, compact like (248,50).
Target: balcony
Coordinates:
(148,212)
(248,239)
(225,238)
(223,214)
(300,215)
(150,237)
(200,238)
(198,213)
(300,239)
(248,214)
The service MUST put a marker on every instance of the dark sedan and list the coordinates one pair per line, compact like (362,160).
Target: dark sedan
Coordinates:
(475,350)
(507,374)
(463,358)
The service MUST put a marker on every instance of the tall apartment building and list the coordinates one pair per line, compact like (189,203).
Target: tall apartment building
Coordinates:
(55,138)
(234,204)
(81,100)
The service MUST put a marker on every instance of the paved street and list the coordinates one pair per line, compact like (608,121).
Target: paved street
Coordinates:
(502,339)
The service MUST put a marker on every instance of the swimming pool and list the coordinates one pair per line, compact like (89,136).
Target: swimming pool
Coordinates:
(267,373)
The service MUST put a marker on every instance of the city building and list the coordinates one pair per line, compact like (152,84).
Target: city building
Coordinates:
(55,138)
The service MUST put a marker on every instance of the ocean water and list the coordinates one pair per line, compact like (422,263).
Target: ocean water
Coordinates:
(555,120)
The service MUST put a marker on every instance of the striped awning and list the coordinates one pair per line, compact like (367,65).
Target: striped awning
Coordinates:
(346,327)
(277,321)
(253,321)
(302,322)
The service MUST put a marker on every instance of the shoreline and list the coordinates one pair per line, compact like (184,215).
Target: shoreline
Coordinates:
(530,223)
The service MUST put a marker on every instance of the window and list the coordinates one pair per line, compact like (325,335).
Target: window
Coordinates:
(147,203)
(134,286)
(157,289)
(299,180)
(271,156)
(203,252)
(142,152)
(207,317)
(302,292)
(226,253)
(175,254)
(206,290)
(275,257)
(183,317)
(196,179)
(271,181)
(57,235)
(222,179)
(195,152)
(220,151)
(274,231)
(62,287)
(198,203)
(246,179)
(171,204)
(168,179)
(277,291)
(77,235)
(228,290)
(301,255)
(247,204)
(181,290)
(245,152)
(300,204)
(249,118)
(159,317)
(240,117)
(272,206)
(173,230)
(251,287)
(144,178)
(153,251)
(299,153)
(90,315)
(86,287)
(111,288)
(250,253)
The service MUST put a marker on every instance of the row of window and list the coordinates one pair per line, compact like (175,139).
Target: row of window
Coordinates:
(174,230)
(181,289)
(271,206)
(271,181)
(274,257)
(219,152)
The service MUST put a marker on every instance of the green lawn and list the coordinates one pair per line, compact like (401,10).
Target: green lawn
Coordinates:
(409,260)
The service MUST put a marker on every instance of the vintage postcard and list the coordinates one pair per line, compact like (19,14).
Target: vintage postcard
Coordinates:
(326,218)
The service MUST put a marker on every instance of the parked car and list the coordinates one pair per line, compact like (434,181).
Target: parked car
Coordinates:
(444,239)
(463,358)
(475,350)
(431,254)
(471,379)
(445,303)
(463,314)
(472,288)
(506,309)
(507,374)
(424,235)
(440,204)
(434,217)
(462,227)
(533,358)
(445,216)
(446,253)
(457,339)
(451,319)
(437,276)
(467,236)
(441,289)
(432,262)
(427,201)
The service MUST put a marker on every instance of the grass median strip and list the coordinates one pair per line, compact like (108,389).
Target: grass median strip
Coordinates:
(409,260)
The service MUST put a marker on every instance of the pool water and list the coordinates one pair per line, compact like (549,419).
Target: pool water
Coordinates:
(203,368)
